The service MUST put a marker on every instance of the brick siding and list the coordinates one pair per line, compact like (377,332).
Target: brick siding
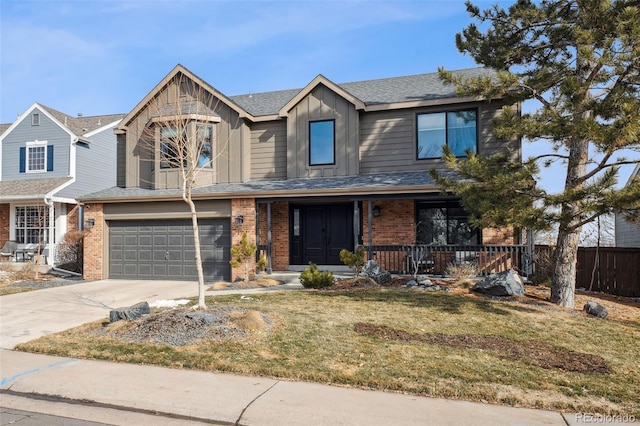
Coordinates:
(4,224)
(93,268)
(247,208)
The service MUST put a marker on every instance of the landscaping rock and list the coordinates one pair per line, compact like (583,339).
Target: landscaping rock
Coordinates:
(370,269)
(506,283)
(130,313)
(412,283)
(425,281)
(373,271)
(595,309)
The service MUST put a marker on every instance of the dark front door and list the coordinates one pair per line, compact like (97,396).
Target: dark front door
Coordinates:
(319,232)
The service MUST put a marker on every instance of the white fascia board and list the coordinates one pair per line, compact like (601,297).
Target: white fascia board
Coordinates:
(100,129)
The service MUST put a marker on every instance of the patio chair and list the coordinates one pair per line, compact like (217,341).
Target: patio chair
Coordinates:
(9,250)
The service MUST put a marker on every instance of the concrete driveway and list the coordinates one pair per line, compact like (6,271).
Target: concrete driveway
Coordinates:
(27,316)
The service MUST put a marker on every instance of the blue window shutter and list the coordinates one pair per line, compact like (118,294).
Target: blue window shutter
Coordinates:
(23,159)
(49,158)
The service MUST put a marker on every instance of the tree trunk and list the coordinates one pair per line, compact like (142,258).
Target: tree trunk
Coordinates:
(565,259)
(196,242)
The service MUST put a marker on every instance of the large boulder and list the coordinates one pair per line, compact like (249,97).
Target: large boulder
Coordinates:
(506,283)
(373,271)
(129,313)
(596,309)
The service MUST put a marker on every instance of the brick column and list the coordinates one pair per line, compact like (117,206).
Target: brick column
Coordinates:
(94,243)
(247,208)
(5,226)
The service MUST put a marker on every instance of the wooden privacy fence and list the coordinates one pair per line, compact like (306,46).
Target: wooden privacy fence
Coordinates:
(611,270)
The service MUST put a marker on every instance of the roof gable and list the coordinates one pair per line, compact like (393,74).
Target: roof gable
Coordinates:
(180,69)
(320,80)
(74,126)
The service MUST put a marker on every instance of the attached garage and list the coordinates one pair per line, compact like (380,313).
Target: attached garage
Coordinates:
(164,249)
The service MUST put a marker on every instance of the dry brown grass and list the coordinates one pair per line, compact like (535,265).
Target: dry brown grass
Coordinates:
(480,351)
(258,283)
(249,321)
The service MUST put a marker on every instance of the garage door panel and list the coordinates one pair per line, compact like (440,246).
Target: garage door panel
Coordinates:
(164,249)
(144,255)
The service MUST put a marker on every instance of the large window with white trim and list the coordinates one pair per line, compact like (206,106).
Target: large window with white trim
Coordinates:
(32,224)
(456,129)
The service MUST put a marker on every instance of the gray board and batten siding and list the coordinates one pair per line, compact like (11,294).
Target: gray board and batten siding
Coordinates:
(24,132)
(322,103)
(142,168)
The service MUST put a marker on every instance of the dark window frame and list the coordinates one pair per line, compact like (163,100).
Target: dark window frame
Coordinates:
(446,130)
(448,206)
(333,123)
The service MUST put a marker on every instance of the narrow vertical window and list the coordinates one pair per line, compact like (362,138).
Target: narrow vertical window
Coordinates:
(321,142)
(205,143)
(35,119)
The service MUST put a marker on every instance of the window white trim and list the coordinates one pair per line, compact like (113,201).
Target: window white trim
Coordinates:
(35,119)
(35,144)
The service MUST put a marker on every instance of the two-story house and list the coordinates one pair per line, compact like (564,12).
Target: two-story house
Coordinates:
(304,172)
(48,159)
(627,232)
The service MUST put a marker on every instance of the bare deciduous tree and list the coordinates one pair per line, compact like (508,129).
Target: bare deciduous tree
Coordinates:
(183,141)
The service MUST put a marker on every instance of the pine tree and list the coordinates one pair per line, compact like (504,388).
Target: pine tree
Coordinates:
(578,64)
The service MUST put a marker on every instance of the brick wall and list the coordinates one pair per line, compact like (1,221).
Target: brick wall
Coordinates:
(279,233)
(395,225)
(502,236)
(4,224)
(93,244)
(247,208)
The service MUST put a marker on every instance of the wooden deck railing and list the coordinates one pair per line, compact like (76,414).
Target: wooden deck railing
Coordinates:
(404,259)
(488,259)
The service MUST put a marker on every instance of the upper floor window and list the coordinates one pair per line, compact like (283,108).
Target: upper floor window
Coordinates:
(204,135)
(321,142)
(173,149)
(457,129)
(36,160)
(35,119)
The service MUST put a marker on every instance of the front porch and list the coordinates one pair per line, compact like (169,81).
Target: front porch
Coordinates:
(387,228)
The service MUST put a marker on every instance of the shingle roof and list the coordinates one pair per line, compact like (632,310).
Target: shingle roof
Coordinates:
(29,187)
(349,185)
(371,92)
(4,127)
(82,125)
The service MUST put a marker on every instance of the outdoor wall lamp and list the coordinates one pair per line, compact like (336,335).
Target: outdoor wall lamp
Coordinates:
(239,220)
(377,211)
(89,223)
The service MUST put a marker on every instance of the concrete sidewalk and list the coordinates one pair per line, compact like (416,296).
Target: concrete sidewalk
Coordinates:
(126,394)
(168,396)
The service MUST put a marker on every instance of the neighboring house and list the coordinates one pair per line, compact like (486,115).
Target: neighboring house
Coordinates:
(628,233)
(305,172)
(48,159)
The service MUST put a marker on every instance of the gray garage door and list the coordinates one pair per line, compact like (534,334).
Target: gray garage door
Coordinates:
(164,249)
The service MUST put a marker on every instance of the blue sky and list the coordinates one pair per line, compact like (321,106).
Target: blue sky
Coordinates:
(103,57)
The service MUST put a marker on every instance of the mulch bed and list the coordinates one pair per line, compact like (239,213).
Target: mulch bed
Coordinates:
(532,352)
